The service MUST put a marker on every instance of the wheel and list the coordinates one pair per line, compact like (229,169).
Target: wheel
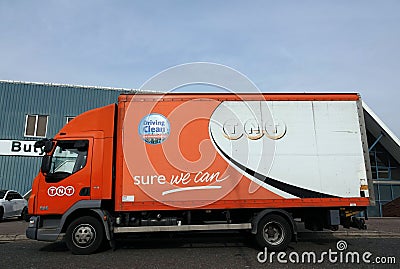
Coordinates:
(85,235)
(1,213)
(24,214)
(274,233)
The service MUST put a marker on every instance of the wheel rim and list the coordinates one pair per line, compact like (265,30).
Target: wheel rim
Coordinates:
(83,235)
(273,233)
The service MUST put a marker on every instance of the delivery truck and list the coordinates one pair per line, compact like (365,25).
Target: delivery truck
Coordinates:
(204,162)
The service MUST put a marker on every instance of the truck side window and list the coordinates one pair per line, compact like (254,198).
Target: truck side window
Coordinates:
(68,158)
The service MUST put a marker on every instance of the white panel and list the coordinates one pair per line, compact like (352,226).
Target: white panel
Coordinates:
(297,170)
(340,175)
(320,150)
(300,136)
(337,128)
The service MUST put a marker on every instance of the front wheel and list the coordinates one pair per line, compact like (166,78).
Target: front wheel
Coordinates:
(85,235)
(274,233)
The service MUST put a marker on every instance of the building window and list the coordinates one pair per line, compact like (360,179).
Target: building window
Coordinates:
(69,118)
(36,125)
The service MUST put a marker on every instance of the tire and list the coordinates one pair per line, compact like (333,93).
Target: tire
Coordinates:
(85,235)
(274,233)
(1,213)
(24,214)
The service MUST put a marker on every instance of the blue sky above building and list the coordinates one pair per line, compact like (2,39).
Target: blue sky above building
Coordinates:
(301,46)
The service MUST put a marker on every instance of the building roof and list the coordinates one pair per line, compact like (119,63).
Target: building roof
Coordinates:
(379,129)
(69,85)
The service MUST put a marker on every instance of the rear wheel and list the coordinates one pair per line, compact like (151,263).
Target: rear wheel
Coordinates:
(274,232)
(85,235)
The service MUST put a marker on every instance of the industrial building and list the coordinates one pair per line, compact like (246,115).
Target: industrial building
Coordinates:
(384,152)
(32,111)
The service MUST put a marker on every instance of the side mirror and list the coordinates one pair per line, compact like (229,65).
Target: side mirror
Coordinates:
(46,143)
(46,164)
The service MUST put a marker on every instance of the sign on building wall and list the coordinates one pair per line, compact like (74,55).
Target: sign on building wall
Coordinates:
(19,148)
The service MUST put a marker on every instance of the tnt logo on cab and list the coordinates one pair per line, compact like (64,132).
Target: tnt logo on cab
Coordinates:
(60,191)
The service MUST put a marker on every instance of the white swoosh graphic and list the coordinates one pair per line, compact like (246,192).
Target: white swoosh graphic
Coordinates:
(191,188)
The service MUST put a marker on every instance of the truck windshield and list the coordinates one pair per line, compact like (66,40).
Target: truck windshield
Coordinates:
(69,156)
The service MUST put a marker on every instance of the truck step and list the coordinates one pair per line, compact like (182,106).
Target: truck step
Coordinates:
(240,226)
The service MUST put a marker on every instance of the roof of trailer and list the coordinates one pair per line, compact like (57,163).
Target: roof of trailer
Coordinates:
(125,97)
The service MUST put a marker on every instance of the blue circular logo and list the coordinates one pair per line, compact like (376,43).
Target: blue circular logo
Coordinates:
(154,128)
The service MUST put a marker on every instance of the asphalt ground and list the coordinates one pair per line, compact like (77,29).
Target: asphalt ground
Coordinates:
(203,250)
(228,249)
(14,229)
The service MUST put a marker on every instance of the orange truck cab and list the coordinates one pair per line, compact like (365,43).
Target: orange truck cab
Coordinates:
(201,162)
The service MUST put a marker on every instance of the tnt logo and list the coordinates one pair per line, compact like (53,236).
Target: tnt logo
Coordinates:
(60,191)
(233,129)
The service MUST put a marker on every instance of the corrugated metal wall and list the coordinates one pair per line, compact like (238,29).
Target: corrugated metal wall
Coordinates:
(17,99)
(17,172)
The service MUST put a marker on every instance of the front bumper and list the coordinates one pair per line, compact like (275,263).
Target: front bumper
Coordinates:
(41,234)
(31,231)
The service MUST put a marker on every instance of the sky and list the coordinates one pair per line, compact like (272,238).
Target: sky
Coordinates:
(290,46)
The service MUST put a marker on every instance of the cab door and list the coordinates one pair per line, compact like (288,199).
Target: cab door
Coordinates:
(69,178)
